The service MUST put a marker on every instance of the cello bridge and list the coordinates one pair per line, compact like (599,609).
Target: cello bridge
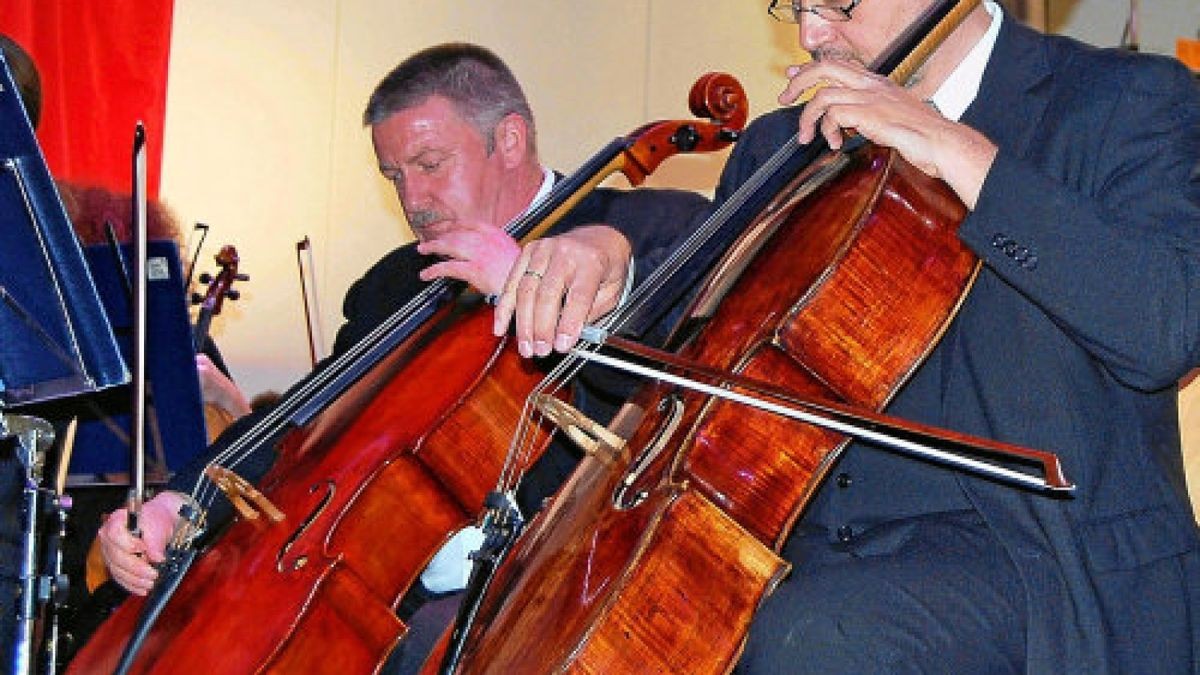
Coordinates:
(246,499)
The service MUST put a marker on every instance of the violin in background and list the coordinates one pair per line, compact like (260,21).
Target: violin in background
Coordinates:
(223,401)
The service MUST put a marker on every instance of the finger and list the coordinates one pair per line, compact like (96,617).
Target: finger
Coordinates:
(807,80)
(843,73)
(528,311)
(507,302)
(453,245)
(815,111)
(844,111)
(802,79)
(135,584)
(547,309)
(125,557)
(833,127)
(133,573)
(136,570)
(155,554)
(124,554)
(809,118)
(452,269)
(115,534)
(581,296)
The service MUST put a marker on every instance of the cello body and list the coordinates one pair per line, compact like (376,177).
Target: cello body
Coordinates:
(358,530)
(654,558)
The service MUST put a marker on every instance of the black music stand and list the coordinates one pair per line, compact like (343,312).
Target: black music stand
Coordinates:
(55,343)
(56,338)
(175,411)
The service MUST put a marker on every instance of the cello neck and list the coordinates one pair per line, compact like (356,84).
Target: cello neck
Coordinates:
(901,60)
(716,96)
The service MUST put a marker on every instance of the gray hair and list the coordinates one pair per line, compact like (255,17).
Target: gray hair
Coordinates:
(479,85)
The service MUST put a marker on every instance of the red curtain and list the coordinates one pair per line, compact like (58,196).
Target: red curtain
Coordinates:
(103,67)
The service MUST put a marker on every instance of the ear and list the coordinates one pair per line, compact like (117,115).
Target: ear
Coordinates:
(512,140)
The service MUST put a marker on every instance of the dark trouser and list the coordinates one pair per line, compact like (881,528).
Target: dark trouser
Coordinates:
(931,594)
(428,616)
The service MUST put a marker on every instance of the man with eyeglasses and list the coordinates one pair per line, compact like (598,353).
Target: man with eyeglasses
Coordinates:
(1079,170)
(790,12)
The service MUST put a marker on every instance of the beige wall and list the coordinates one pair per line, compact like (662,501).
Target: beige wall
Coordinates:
(264,144)
(1102,22)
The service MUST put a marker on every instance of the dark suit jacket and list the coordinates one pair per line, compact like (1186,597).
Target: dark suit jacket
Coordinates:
(1084,317)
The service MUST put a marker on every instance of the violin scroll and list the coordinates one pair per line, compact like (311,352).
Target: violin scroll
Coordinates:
(219,288)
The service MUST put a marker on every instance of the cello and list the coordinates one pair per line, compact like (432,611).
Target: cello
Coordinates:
(656,554)
(393,446)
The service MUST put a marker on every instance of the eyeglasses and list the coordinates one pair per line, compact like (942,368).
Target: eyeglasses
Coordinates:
(789,11)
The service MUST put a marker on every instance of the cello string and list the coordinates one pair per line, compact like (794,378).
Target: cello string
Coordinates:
(240,448)
(205,490)
(519,450)
(525,438)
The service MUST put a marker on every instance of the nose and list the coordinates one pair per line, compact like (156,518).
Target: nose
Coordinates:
(398,184)
(411,189)
(814,32)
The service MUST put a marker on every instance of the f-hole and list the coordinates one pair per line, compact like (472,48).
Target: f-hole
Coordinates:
(330,490)
(624,497)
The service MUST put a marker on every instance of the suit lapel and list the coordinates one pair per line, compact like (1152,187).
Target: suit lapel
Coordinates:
(1014,92)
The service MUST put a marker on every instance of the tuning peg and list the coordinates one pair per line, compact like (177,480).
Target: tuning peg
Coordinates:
(197,298)
(242,277)
(233,294)
(205,278)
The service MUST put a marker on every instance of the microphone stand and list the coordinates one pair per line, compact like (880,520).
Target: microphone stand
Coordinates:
(33,436)
(55,584)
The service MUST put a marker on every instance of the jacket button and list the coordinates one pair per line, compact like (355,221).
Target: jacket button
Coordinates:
(845,533)
(844,480)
